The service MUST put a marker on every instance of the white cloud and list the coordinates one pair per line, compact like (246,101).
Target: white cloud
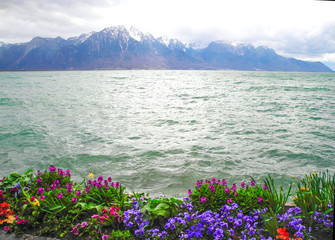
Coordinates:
(298,27)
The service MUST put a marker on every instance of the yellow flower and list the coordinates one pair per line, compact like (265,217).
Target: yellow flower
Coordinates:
(304,189)
(91,175)
(36,202)
(294,198)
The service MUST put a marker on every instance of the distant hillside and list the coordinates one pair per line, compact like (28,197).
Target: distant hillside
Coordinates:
(122,48)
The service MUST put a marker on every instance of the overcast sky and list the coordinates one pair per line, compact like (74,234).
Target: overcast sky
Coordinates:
(304,29)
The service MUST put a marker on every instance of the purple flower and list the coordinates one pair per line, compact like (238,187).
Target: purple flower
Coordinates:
(105,237)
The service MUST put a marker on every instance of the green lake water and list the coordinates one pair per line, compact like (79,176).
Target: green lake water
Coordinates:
(161,131)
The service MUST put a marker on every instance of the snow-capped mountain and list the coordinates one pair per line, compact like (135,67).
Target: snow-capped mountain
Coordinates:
(119,47)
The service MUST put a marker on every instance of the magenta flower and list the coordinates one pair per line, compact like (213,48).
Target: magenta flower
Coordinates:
(100,179)
(60,172)
(227,190)
(117,184)
(39,180)
(224,182)
(242,185)
(260,199)
(32,199)
(203,199)
(67,172)
(109,179)
(6,228)
(74,200)
(234,187)
(252,183)
(95,216)
(264,186)
(78,193)
(105,237)
(229,201)
(60,195)
(52,169)
(40,191)
(42,197)
(189,192)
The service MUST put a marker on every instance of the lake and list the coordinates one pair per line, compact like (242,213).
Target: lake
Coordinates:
(161,131)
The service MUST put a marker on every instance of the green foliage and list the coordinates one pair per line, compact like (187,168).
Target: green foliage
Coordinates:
(277,200)
(314,192)
(163,207)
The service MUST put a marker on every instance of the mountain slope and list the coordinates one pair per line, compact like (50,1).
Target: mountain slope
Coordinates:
(122,48)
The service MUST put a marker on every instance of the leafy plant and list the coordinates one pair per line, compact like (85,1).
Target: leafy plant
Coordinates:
(277,200)
(164,207)
(213,195)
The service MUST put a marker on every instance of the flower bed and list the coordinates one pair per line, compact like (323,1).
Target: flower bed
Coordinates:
(50,204)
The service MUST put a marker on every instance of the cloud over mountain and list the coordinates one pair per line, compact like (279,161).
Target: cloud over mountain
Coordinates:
(128,48)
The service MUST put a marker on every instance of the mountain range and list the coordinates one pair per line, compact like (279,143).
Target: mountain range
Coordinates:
(122,48)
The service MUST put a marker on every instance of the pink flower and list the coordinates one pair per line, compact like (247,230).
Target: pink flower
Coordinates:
(75,230)
(260,199)
(32,199)
(252,183)
(203,199)
(95,216)
(84,224)
(227,190)
(189,192)
(78,193)
(229,201)
(60,195)
(39,180)
(42,197)
(6,228)
(74,200)
(111,210)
